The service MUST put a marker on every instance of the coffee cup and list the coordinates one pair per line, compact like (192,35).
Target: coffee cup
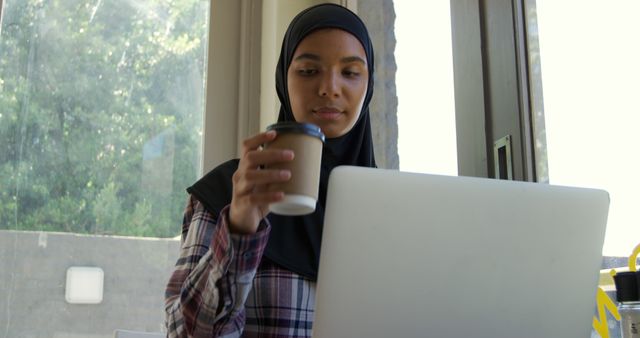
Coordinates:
(301,191)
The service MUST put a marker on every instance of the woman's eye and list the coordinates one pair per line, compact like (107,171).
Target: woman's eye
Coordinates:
(350,73)
(307,71)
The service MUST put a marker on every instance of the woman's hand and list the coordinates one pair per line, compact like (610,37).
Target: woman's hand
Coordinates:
(250,200)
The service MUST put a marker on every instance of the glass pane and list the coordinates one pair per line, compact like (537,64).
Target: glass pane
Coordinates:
(424,84)
(589,72)
(101,106)
(101,116)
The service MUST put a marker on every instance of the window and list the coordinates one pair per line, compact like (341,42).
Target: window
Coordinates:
(101,110)
(587,70)
(102,114)
(424,82)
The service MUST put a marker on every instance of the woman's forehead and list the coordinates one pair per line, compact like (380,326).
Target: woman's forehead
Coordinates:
(329,40)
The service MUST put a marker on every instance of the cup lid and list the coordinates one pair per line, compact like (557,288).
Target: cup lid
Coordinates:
(295,127)
(627,286)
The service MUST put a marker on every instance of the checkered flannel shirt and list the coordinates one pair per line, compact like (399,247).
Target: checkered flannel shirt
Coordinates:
(221,286)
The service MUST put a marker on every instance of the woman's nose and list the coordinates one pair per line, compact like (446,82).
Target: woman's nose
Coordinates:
(329,85)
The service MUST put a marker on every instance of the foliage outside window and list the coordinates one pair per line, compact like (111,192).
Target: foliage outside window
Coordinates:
(101,107)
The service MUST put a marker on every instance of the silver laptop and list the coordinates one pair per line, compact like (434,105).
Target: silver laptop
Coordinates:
(416,255)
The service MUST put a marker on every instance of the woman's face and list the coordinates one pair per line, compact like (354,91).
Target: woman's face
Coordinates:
(327,81)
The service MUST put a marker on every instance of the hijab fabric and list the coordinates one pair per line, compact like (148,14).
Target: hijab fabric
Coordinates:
(294,242)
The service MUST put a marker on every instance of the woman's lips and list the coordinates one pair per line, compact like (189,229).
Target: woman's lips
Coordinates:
(327,113)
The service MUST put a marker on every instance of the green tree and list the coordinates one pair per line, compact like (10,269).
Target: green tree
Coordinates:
(97,98)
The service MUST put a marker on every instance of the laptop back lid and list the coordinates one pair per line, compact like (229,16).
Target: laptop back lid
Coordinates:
(417,255)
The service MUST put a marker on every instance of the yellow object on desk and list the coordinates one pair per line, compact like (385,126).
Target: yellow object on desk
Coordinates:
(604,302)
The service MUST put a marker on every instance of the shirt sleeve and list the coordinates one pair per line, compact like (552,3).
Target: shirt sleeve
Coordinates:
(206,293)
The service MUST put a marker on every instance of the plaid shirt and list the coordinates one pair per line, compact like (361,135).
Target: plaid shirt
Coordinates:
(221,287)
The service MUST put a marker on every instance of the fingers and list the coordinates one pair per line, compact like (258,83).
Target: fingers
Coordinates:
(253,156)
(256,141)
(257,158)
(268,176)
(250,174)
(252,179)
(251,198)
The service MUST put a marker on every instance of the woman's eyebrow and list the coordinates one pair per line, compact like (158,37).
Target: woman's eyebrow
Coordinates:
(314,57)
(349,59)
(307,56)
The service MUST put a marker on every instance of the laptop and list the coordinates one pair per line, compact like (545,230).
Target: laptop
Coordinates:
(417,255)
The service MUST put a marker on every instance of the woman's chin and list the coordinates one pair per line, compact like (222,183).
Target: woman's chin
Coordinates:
(332,131)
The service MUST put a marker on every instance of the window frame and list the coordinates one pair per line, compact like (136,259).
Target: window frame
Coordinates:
(491,77)
(476,114)
(1,8)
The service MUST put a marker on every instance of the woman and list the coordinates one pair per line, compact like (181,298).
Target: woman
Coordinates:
(242,271)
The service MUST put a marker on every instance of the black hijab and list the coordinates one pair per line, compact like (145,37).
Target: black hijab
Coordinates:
(294,242)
